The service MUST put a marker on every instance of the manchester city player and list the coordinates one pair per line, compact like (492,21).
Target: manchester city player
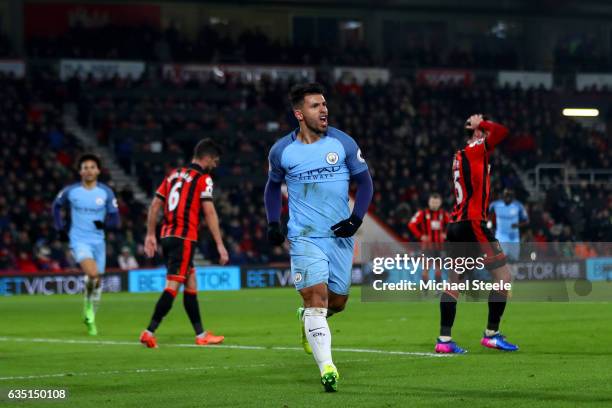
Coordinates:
(92,208)
(317,163)
(510,215)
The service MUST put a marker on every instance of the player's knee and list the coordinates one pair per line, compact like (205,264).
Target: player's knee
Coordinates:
(315,296)
(173,285)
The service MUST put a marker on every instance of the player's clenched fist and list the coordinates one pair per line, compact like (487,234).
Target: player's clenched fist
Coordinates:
(347,228)
(150,246)
(275,235)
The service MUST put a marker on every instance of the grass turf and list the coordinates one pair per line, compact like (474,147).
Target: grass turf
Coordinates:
(565,357)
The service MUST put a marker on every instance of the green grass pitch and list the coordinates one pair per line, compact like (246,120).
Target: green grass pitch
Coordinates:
(565,358)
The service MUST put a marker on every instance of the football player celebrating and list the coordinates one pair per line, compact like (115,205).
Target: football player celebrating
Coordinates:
(317,162)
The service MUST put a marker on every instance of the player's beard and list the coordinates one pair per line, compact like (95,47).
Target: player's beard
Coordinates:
(314,126)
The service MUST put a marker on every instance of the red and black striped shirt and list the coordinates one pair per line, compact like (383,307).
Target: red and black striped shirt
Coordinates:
(471,175)
(182,192)
(431,224)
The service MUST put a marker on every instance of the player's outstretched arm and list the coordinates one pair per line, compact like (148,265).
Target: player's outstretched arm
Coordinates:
(273,202)
(363,197)
(152,216)
(212,221)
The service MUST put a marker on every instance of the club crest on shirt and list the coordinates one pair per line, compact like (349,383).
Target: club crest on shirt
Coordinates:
(331,158)
(100,201)
(297,278)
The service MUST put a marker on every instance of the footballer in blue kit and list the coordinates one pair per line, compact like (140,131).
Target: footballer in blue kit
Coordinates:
(317,162)
(92,207)
(510,216)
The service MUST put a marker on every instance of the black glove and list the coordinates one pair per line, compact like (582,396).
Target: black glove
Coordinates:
(100,225)
(347,228)
(63,236)
(275,235)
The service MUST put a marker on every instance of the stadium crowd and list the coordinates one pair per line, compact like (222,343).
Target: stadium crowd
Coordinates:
(407,130)
(37,160)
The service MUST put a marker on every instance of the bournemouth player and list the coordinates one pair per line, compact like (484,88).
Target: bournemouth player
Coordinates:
(183,195)
(92,207)
(429,227)
(472,185)
(510,215)
(317,162)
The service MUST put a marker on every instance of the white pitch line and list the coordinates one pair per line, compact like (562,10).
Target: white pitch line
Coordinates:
(146,371)
(134,371)
(219,346)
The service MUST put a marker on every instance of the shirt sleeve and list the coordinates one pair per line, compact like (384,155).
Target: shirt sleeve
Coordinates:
(354,158)
(206,190)
(445,217)
(62,197)
(162,190)
(492,207)
(415,224)
(497,133)
(60,201)
(275,171)
(111,202)
(523,216)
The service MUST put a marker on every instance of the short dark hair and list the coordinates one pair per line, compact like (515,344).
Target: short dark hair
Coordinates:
(299,91)
(435,195)
(206,147)
(87,157)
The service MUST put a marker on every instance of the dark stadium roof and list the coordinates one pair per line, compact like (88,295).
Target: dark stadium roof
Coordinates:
(595,9)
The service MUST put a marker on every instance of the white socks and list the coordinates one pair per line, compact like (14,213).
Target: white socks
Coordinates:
(490,333)
(318,335)
(93,293)
(89,288)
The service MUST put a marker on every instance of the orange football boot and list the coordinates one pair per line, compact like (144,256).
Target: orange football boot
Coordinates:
(148,339)
(209,338)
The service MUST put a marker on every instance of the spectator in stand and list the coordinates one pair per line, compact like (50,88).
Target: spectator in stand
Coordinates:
(126,260)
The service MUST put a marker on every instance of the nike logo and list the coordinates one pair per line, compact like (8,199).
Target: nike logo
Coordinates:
(310,331)
(292,167)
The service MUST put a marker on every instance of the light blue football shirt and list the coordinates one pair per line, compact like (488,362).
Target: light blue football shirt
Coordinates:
(505,216)
(87,206)
(317,177)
